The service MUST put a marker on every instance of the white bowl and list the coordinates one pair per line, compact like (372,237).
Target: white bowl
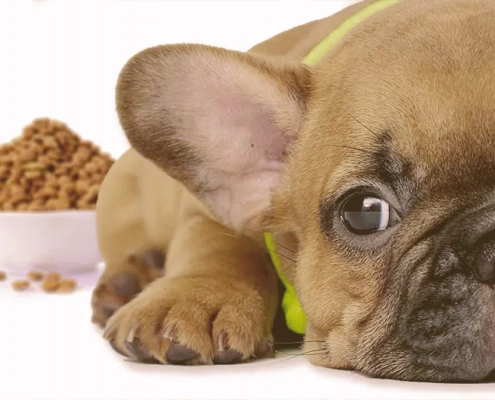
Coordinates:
(53,241)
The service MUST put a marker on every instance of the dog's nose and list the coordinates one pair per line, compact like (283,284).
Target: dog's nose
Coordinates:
(484,261)
(485,271)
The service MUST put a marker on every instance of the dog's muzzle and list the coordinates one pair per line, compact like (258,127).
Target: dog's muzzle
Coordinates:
(482,260)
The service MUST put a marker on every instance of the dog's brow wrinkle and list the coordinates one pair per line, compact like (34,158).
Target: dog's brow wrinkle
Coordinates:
(392,168)
(388,165)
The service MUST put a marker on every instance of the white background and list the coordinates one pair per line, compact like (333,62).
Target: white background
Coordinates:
(61,59)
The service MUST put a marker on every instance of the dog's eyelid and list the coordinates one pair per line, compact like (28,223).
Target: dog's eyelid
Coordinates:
(371,186)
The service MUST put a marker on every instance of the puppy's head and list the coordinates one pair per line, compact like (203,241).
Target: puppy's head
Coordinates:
(379,159)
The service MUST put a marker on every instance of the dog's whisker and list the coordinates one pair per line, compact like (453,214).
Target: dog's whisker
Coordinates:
(306,353)
(320,352)
(290,358)
(285,247)
(364,126)
(317,350)
(301,342)
(273,251)
(282,255)
(343,146)
(227,234)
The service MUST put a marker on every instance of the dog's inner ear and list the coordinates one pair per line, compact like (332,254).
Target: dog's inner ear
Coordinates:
(219,121)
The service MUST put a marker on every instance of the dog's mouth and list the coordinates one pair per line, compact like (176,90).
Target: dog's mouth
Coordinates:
(490,378)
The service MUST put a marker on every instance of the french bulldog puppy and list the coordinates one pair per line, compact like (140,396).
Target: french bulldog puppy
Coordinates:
(373,169)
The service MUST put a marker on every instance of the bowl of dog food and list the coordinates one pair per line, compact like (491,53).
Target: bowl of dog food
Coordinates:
(49,184)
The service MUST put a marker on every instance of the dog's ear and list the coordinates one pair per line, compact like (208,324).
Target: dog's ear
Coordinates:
(219,121)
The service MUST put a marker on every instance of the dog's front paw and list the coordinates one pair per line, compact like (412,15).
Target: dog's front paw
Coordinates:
(120,284)
(192,321)
(111,293)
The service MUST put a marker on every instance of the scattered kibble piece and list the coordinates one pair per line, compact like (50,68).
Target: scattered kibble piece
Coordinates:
(20,285)
(35,276)
(67,286)
(49,167)
(53,275)
(51,282)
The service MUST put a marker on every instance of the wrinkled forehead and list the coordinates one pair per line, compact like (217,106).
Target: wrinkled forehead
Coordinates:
(423,78)
(415,111)
(438,124)
(419,140)
(457,163)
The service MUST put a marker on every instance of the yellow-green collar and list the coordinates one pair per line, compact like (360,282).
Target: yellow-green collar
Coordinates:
(294,314)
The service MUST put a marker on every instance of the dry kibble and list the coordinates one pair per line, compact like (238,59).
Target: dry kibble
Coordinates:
(20,285)
(67,286)
(22,207)
(53,275)
(33,174)
(49,167)
(51,282)
(35,276)
(7,206)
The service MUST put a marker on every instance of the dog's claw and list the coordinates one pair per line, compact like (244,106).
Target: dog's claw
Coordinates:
(116,349)
(224,354)
(266,349)
(168,334)
(138,352)
(131,334)
(109,332)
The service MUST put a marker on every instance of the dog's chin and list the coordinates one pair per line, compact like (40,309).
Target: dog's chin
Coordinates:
(448,342)
(330,350)
(422,378)
(418,361)
(323,358)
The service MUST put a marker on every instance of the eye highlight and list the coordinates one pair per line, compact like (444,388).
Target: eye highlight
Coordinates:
(364,214)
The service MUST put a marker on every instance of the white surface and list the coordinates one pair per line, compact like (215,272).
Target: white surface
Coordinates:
(48,241)
(50,350)
(60,58)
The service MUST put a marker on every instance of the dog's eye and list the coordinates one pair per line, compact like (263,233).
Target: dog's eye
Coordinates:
(363,214)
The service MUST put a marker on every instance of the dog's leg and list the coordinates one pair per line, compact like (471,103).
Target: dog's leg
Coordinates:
(215,304)
(131,259)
